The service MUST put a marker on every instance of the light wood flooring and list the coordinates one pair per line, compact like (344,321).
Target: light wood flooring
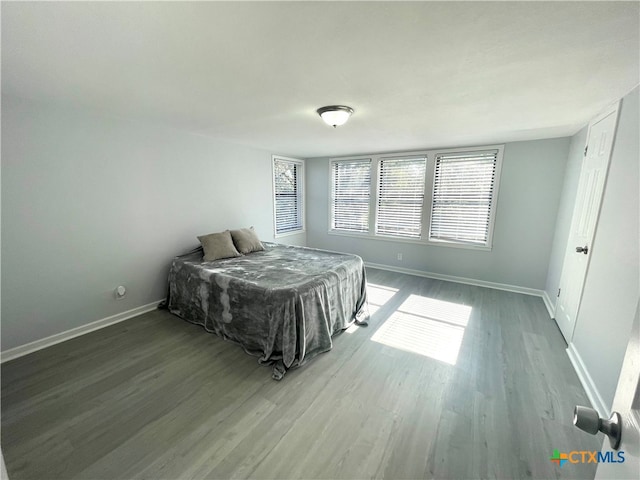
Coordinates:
(156,397)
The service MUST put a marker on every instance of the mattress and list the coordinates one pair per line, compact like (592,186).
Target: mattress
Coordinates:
(283,304)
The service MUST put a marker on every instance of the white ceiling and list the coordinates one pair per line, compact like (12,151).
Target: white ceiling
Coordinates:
(418,74)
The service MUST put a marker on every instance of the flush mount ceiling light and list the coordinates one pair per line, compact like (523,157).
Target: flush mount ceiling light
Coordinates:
(335,115)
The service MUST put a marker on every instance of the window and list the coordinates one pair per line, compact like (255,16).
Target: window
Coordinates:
(438,197)
(400,196)
(351,185)
(463,197)
(288,185)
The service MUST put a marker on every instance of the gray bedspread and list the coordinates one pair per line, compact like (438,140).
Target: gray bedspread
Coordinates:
(283,304)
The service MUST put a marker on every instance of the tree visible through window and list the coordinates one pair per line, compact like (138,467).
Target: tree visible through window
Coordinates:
(288,177)
(351,183)
(400,196)
(444,197)
(463,193)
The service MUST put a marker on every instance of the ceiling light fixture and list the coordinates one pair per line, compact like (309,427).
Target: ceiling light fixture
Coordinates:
(335,115)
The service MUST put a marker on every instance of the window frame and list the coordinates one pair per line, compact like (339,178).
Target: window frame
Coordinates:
(494,198)
(363,159)
(430,155)
(300,185)
(393,157)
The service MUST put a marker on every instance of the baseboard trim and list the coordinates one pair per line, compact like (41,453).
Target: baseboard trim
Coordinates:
(452,278)
(587,382)
(36,345)
(547,303)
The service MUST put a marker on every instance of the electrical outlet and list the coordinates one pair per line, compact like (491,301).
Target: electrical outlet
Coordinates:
(120,292)
(400,256)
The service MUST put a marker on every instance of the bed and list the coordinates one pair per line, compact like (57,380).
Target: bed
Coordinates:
(283,304)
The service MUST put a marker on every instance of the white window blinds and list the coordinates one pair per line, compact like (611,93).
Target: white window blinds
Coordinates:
(351,185)
(401,196)
(463,193)
(287,181)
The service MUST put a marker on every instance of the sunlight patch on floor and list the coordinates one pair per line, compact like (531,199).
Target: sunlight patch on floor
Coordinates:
(426,326)
(377,296)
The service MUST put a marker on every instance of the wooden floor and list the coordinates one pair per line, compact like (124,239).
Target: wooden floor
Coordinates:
(156,397)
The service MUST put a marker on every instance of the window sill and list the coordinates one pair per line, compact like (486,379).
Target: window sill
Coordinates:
(417,241)
(288,234)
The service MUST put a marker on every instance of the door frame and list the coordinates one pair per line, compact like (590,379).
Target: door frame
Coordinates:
(614,109)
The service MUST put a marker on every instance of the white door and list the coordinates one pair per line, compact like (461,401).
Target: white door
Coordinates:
(627,403)
(593,176)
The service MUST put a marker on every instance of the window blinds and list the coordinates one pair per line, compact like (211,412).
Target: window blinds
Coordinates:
(462,196)
(351,185)
(400,196)
(288,195)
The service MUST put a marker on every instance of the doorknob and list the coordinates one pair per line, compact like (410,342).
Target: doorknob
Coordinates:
(584,249)
(587,419)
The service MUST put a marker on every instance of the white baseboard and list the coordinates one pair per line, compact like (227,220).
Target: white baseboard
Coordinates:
(587,382)
(74,332)
(547,303)
(452,278)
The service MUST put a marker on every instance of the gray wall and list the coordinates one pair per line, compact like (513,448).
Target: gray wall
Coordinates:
(565,213)
(90,202)
(612,285)
(530,187)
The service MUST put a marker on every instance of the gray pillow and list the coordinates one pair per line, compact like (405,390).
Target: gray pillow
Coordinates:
(246,240)
(218,245)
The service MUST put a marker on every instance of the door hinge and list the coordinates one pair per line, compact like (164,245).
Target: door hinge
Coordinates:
(559,290)
(586,149)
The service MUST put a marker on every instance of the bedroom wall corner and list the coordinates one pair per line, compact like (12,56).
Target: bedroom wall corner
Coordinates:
(91,201)
(530,188)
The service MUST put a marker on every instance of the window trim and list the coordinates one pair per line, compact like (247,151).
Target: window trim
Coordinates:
(300,178)
(363,159)
(430,155)
(377,199)
(372,195)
